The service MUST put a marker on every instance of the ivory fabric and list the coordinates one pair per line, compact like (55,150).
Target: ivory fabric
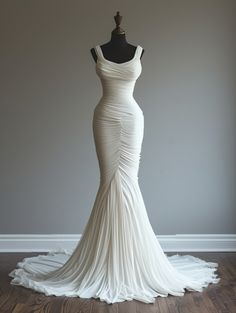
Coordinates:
(118,257)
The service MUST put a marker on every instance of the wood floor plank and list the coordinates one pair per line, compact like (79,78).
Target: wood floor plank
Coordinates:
(21,308)
(101,307)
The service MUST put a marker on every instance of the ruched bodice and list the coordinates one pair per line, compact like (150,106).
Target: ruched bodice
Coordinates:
(118,257)
(118,79)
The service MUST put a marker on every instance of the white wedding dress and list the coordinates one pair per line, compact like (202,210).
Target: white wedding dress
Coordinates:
(118,257)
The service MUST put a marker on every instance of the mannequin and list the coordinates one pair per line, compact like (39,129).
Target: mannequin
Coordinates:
(117,50)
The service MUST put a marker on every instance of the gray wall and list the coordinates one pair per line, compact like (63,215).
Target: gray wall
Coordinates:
(49,171)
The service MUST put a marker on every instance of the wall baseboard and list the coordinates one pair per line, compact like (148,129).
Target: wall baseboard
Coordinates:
(169,243)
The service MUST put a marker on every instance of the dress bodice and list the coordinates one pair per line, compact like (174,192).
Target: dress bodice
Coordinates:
(118,79)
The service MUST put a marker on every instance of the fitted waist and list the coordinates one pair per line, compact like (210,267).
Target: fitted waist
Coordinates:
(118,89)
(111,109)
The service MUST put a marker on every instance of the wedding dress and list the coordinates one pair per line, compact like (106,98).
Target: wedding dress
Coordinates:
(118,257)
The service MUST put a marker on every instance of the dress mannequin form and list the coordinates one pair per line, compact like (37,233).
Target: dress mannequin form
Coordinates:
(117,50)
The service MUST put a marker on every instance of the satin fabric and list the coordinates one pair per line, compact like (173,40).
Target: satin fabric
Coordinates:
(118,257)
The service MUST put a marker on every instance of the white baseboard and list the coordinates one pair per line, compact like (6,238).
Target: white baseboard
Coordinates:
(169,243)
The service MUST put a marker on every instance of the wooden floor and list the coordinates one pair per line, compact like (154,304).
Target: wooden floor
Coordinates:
(220,298)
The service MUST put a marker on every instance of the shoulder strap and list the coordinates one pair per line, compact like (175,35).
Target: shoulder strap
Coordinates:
(139,51)
(97,50)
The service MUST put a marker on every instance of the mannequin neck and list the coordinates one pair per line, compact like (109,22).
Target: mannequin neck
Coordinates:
(118,40)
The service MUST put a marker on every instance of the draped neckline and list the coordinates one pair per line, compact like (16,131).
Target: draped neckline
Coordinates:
(123,63)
